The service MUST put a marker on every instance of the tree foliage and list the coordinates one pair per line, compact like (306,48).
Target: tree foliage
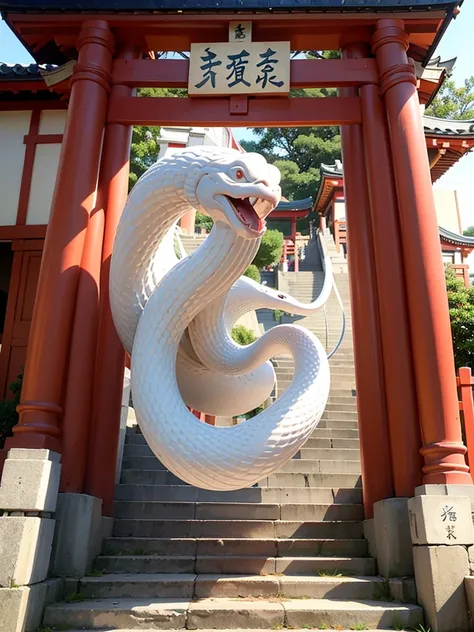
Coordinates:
(469,231)
(453,102)
(253,272)
(243,335)
(461,313)
(298,152)
(271,249)
(145,147)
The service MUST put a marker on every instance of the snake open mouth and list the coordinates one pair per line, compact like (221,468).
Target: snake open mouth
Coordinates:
(245,211)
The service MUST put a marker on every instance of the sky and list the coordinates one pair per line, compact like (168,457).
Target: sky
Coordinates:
(457,42)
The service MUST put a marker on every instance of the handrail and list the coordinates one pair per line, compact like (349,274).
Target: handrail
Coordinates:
(326,260)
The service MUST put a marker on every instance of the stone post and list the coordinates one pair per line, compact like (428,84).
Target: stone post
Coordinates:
(441,531)
(28,497)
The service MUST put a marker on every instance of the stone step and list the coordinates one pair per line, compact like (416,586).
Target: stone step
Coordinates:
(294,465)
(138,440)
(134,450)
(279,480)
(352,444)
(235,546)
(187,493)
(340,424)
(236,511)
(234,564)
(326,466)
(259,529)
(228,613)
(191,586)
(334,433)
(341,454)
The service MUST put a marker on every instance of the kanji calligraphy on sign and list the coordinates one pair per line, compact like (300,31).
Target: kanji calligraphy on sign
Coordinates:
(239,67)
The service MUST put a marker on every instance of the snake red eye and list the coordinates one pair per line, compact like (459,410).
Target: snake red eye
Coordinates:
(240,174)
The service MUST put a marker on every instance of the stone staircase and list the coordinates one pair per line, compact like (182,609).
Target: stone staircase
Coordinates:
(192,242)
(286,553)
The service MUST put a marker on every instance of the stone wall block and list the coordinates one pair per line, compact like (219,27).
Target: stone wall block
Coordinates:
(392,537)
(25,549)
(403,589)
(78,535)
(443,520)
(21,609)
(439,574)
(30,481)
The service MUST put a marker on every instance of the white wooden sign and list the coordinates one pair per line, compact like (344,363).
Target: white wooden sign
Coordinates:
(240,32)
(239,68)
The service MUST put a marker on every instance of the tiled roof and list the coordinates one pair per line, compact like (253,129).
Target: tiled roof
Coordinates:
(448,127)
(454,238)
(296,205)
(334,170)
(179,5)
(19,72)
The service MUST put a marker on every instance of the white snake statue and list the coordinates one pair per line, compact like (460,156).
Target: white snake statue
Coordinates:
(174,317)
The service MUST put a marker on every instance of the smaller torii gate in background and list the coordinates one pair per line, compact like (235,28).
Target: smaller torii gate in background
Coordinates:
(406,385)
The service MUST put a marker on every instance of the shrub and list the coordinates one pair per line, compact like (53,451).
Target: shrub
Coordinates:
(8,415)
(461,313)
(203,221)
(243,335)
(253,273)
(271,249)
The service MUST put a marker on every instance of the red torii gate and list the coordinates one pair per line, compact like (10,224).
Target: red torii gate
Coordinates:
(406,387)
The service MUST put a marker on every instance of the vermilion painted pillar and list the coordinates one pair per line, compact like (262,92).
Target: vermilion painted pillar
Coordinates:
(80,376)
(74,198)
(402,409)
(108,380)
(432,350)
(377,481)
(187,222)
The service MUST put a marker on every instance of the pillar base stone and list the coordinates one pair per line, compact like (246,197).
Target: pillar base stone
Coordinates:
(439,575)
(21,609)
(392,537)
(78,536)
(446,490)
(30,480)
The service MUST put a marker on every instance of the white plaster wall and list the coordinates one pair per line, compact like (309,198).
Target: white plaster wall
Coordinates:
(339,210)
(52,121)
(43,180)
(13,127)
(447,209)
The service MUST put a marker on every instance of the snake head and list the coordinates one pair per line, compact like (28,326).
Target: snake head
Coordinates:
(239,190)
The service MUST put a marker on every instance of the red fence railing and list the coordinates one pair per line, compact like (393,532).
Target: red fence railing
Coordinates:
(465,382)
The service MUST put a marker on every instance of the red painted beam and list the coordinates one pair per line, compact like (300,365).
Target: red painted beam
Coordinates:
(262,112)
(305,73)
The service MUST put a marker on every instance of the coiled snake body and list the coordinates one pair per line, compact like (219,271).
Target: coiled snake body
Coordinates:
(174,317)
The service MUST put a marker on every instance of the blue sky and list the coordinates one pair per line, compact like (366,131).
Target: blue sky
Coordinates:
(457,42)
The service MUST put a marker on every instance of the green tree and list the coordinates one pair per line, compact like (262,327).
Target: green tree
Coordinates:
(253,273)
(243,335)
(453,102)
(145,147)
(469,232)
(461,313)
(271,249)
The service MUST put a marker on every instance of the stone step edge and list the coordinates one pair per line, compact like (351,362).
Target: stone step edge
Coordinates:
(276,613)
(210,577)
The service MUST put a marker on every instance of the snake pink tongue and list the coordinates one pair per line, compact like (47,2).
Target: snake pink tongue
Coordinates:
(247,213)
